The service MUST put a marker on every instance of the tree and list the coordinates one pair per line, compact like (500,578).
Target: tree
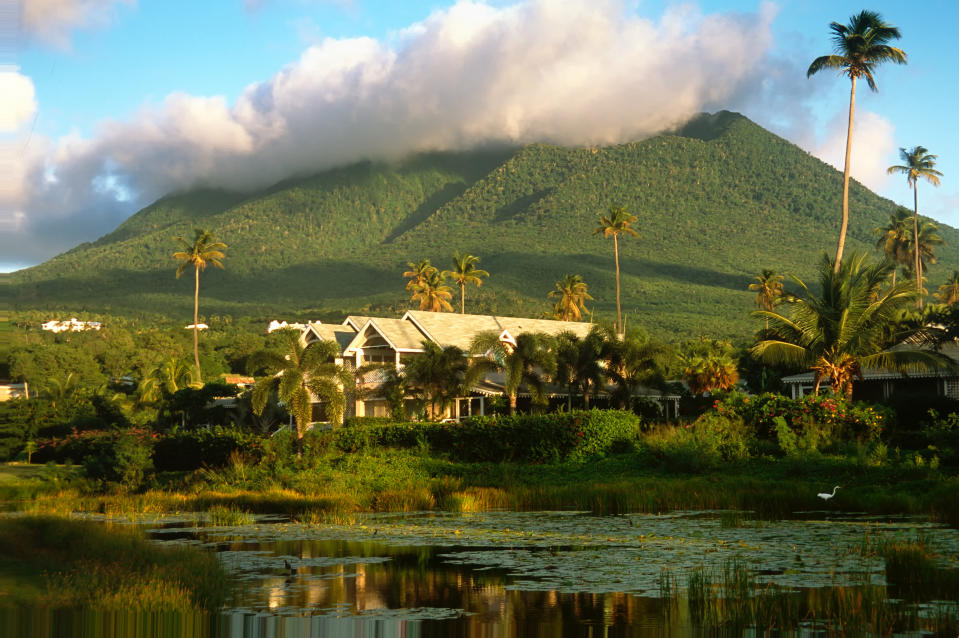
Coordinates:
(709,365)
(929,238)
(527,362)
(465,272)
(859,47)
(918,163)
(949,291)
(300,374)
(201,252)
(613,225)
(571,296)
(432,293)
(418,273)
(578,363)
(439,374)
(768,289)
(850,323)
(893,240)
(633,362)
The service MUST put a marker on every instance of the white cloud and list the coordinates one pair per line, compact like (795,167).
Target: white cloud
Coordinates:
(18,104)
(54,21)
(566,71)
(873,142)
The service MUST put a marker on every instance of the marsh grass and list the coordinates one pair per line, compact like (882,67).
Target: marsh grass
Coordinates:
(228,516)
(56,562)
(733,599)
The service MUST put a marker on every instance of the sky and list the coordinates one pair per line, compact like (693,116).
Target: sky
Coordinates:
(107,105)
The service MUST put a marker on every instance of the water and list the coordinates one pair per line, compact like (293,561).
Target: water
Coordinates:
(495,573)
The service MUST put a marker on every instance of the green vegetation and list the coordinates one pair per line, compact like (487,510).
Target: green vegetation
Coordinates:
(57,562)
(336,243)
(204,250)
(465,272)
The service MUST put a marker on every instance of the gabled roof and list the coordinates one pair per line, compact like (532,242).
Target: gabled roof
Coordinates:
(951,350)
(449,329)
(401,335)
(342,335)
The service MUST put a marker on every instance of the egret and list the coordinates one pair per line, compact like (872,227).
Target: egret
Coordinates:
(826,495)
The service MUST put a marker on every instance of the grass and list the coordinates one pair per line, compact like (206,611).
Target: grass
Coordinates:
(52,561)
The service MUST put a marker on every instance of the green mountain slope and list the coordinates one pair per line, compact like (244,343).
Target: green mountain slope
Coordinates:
(718,200)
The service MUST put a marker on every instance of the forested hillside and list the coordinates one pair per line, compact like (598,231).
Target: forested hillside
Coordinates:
(718,200)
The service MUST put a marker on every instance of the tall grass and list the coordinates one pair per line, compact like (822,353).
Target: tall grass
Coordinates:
(57,562)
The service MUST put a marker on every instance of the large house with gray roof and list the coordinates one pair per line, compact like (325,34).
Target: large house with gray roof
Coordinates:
(365,341)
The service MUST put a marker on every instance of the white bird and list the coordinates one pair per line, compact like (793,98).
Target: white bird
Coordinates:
(826,495)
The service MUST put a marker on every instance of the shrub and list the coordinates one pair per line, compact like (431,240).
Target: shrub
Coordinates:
(120,457)
(726,436)
(191,450)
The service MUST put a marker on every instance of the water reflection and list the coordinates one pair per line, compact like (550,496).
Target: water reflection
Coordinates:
(500,574)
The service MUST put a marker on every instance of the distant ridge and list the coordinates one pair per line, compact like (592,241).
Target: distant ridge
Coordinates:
(718,199)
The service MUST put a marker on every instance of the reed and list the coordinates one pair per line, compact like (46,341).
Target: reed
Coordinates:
(58,562)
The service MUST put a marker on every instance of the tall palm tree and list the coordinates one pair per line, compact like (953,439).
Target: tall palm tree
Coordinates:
(465,272)
(768,289)
(439,374)
(571,296)
(949,291)
(432,293)
(859,47)
(850,323)
(298,375)
(917,163)
(616,223)
(929,238)
(204,250)
(527,363)
(418,272)
(893,239)
(578,363)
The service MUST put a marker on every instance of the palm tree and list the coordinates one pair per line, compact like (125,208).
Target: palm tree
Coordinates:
(465,272)
(859,47)
(418,272)
(893,239)
(527,362)
(201,252)
(432,293)
(849,324)
(929,238)
(300,374)
(709,365)
(918,163)
(949,291)
(571,297)
(633,362)
(613,225)
(578,363)
(439,374)
(768,289)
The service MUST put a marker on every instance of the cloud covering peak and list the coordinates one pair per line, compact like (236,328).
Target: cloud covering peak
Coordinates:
(574,72)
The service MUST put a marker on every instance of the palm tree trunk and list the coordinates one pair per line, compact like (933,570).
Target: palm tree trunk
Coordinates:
(196,327)
(462,299)
(845,180)
(619,312)
(512,404)
(915,242)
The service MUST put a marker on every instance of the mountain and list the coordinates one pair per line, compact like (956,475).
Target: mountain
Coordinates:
(718,200)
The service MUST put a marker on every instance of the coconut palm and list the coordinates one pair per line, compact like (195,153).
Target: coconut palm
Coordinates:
(929,238)
(949,291)
(917,163)
(893,239)
(465,272)
(616,223)
(768,289)
(571,296)
(418,272)
(204,250)
(859,47)
(633,362)
(438,374)
(299,375)
(527,362)
(578,363)
(432,293)
(850,323)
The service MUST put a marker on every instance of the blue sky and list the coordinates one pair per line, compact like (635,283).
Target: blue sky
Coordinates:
(113,103)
